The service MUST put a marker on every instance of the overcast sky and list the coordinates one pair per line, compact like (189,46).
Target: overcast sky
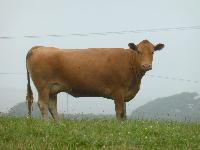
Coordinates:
(180,57)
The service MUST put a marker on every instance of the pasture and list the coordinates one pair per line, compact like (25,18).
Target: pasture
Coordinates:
(23,133)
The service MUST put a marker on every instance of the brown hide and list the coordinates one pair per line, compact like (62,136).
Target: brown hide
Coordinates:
(113,73)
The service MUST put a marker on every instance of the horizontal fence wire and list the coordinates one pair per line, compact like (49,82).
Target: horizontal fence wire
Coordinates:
(196,27)
(148,75)
(168,29)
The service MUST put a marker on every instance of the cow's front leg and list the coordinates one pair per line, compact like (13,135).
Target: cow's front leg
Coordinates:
(120,106)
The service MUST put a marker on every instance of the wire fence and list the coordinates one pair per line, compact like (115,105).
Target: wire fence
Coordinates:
(196,27)
(149,75)
(174,78)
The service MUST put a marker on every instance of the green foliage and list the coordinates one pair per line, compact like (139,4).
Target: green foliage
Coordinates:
(25,133)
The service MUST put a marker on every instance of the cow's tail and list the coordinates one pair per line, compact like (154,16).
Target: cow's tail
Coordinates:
(29,95)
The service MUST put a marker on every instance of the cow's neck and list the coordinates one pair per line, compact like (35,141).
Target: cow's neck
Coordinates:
(136,70)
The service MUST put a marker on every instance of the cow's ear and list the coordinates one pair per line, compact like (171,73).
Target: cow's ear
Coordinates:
(159,47)
(132,46)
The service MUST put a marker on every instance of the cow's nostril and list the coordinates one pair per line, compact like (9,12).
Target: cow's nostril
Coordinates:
(147,66)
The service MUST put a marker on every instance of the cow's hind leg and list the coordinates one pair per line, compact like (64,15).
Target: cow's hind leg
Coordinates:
(52,105)
(43,98)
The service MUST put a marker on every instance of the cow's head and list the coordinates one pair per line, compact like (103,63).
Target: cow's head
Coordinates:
(145,51)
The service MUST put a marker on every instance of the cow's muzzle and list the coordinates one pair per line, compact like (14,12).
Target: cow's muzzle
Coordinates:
(146,67)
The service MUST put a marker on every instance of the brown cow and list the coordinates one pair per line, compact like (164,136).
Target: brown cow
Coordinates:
(113,73)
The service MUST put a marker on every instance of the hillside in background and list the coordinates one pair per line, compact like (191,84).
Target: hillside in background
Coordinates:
(181,107)
(21,110)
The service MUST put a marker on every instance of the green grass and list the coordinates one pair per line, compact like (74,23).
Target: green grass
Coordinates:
(23,133)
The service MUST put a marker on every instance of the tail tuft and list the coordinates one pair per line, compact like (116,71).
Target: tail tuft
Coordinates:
(29,95)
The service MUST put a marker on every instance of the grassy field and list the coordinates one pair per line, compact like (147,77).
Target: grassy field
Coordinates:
(23,133)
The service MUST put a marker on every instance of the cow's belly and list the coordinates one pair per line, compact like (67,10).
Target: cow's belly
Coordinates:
(88,93)
(95,91)
(75,91)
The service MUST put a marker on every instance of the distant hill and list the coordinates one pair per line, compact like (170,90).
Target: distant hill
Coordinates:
(181,107)
(21,110)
